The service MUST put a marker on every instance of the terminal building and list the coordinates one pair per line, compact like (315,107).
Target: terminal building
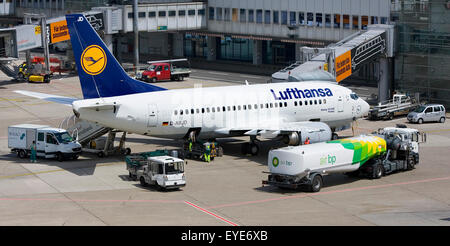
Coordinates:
(266,35)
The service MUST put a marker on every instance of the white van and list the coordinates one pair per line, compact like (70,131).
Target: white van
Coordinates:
(50,142)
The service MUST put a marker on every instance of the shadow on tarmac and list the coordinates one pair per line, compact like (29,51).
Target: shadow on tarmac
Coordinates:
(84,166)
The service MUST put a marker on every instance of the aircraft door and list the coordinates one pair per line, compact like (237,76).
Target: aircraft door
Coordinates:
(340,105)
(40,143)
(152,115)
(51,145)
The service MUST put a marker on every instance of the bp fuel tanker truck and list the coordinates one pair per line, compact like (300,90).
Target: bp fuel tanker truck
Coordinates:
(385,151)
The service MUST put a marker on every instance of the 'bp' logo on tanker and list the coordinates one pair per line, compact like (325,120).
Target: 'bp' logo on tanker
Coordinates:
(93,60)
(275,162)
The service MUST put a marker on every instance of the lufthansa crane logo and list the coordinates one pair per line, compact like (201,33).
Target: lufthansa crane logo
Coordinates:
(93,60)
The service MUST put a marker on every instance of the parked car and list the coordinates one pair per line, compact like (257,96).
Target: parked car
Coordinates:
(427,113)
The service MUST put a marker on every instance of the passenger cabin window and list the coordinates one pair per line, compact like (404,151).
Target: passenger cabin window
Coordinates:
(300,103)
(285,104)
(429,110)
(192,111)
(186,111)
(176,112)
(437,109)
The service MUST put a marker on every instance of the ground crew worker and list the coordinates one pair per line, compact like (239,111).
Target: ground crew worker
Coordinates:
(33,152)
(213,149)
(190,145)
(307,140)
(207,152)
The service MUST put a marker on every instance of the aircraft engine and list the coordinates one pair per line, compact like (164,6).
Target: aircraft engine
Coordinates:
(292,138)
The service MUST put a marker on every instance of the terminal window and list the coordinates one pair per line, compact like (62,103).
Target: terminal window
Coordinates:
(355,22)
(284,18)
(337,21)
(319,19)
(346,21)
(162,13)
(234,13)
(152,14)
(242,15)
(227,14)
(211,13)
(364,22)
(327,20)
(191,12)
(201,12)
(251,16)
(267,17)
(182,13)
(172,13)
(310,19)
(141,14)
(276,17)
(219,14)
(259,16)
(301,18)
(292,18)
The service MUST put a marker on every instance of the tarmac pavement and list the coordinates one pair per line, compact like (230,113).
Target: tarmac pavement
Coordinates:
(227,191)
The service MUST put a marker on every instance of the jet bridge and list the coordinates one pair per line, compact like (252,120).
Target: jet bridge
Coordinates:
(342,59)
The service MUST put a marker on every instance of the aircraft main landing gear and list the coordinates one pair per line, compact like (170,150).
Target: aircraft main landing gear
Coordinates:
(251,148)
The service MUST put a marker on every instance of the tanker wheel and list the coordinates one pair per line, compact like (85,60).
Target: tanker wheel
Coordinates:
(411,163)
(316,183)
(378,171)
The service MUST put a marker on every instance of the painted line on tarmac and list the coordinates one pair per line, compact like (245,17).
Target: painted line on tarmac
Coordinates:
(328,192)
(210,213)
(89,200)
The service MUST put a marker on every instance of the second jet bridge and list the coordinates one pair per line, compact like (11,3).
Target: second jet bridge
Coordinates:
(342,59)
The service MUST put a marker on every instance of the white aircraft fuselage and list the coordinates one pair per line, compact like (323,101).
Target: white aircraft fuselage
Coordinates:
(215,110)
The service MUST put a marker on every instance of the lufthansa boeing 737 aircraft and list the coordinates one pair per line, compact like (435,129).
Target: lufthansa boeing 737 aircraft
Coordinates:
(291,111)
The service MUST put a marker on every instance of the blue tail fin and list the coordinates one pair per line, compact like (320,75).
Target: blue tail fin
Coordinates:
(100,73)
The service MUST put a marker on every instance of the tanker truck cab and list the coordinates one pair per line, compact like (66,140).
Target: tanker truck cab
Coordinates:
(165,172)
(408,136)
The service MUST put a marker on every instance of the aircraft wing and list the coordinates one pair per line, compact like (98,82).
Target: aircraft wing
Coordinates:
(271,130)
(51,98)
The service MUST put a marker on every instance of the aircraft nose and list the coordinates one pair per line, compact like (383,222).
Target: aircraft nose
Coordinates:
(365,107)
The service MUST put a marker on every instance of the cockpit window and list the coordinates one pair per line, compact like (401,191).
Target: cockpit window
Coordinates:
(354,96)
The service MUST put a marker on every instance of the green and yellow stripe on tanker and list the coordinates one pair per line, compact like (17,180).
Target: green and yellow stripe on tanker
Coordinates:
(364,147)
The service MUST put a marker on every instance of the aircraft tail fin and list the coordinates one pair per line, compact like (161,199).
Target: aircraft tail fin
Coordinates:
(100,73)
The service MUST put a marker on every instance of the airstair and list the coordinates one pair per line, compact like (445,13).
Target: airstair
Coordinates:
(89,135)
(8,69)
